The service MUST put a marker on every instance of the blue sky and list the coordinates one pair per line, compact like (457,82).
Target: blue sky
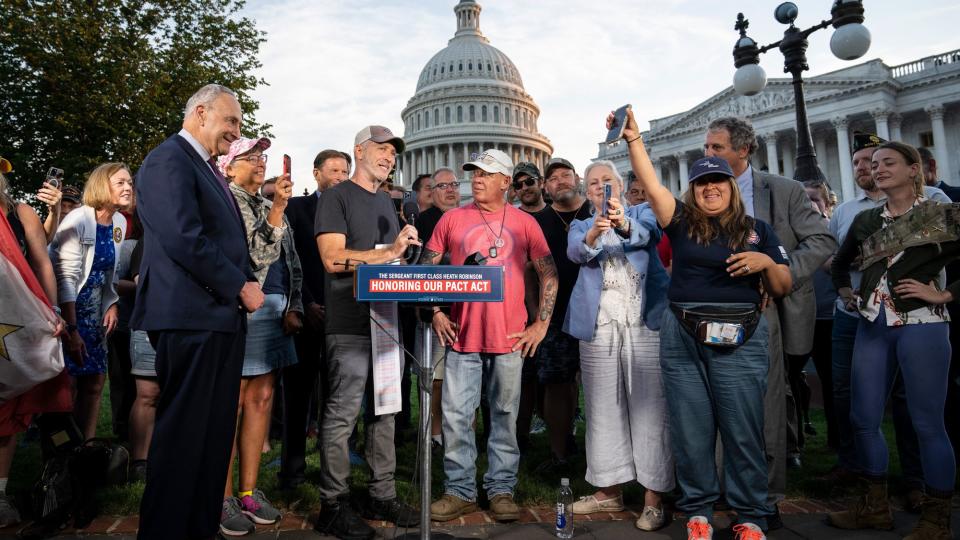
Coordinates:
(334,66)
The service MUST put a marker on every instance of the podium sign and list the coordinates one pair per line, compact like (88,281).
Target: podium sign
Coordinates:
(436,284)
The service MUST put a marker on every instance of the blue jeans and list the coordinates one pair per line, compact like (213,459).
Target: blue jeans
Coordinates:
(464,375)
(844,335)
(707,389)
(921,352)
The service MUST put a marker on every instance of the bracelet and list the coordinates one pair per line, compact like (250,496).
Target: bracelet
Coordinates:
(637,138)
(58,311)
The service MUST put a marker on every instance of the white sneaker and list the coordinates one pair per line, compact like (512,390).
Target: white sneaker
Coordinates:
(698,528)
(651,519)
(748,531)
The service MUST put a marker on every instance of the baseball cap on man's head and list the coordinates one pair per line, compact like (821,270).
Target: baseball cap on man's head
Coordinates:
(492,161)
(863,140)
(72,194)
(710,166)
(378,134)
(526,168)
(556,163)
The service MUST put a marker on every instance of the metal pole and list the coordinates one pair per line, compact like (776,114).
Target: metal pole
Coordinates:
(426,390)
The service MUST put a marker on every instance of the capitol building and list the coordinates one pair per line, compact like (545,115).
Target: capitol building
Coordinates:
(917,103)
(469,97)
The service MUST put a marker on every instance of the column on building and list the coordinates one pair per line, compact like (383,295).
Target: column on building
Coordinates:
(683,173)
(881,117)
(940,141)
(788,158)
(436,158)
(842,126)
(820,146)
(773,164)
(893,121)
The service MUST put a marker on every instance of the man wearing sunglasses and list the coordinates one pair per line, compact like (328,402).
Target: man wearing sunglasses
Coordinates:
(528,185)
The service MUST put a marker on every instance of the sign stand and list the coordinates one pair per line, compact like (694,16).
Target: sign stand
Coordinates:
(435,285)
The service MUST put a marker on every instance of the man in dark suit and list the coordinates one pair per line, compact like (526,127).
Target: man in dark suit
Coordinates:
(330,167)
(782,203)
(195,290)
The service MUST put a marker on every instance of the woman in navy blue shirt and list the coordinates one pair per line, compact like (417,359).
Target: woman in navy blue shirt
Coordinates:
(713,339)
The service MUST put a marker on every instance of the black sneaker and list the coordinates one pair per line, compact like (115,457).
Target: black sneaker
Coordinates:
(338,519)
(403,515)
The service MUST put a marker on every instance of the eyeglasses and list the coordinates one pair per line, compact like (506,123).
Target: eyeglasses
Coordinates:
(253,158)
(529,181)
(445,185)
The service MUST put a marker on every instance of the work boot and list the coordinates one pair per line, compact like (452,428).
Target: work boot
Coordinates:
(870,511)
(934,521)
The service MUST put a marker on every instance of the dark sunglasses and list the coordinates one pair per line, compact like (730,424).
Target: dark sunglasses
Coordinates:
(518,184)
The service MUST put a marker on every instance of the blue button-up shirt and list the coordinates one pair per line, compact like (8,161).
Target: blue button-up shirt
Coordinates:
(745,181)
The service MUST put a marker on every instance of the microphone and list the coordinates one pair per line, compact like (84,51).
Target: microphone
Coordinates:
(411,211)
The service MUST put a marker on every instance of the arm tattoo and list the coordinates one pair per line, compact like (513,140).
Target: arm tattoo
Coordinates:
(430,257)
(547,271)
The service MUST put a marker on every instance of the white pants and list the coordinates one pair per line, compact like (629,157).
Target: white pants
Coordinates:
(626,412)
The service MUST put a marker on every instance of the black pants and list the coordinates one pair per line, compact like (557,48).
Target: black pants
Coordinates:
(199,376)
(299,382)
(123,389)
(823,361)
(952,416)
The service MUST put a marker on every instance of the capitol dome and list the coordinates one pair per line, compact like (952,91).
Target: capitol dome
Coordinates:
(469,97)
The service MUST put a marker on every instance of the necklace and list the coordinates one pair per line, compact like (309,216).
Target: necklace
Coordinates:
(498,242)
(566,224)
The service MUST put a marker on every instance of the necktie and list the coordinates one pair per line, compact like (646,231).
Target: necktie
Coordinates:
(223,184)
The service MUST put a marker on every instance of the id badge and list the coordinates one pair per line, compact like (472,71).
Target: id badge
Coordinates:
(722,333)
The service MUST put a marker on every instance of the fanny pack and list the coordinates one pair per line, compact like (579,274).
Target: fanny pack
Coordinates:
(718,326)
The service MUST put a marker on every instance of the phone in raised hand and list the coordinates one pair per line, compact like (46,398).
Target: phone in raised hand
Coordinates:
(619,122)
(286,165)
(54,177)
(607,194)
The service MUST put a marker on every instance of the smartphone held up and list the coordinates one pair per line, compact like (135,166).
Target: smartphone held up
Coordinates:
(619,123)
(54,177)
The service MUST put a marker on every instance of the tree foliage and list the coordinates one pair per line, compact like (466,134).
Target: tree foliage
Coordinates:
(90,81)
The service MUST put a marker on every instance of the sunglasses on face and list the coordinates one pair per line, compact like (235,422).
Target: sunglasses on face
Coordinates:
(518,184)
(445,185)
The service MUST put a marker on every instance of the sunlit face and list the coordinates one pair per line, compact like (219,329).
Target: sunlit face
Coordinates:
(635,194)
(529,195)
(598,177)
(863,168)
(488,187)
(446,191)
(561,184)
(891,171)
(376,159)
(718,145)
(712,194)
(816,197)
(331,172)
(121,189)
(220,124)
(247,170)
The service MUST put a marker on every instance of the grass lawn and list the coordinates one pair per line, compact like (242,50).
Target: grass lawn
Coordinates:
(531,489)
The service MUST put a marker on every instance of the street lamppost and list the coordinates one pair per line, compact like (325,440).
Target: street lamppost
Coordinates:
(850,41)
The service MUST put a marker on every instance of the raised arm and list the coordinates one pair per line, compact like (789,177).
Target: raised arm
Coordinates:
(661,200)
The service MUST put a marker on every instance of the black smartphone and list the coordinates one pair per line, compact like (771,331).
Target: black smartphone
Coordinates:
(619,122)
(54,177)
(607,193)
(286,165)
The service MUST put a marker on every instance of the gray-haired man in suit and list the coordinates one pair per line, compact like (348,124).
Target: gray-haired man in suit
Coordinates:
(782,203)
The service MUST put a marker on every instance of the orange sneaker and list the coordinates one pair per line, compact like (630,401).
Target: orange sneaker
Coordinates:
(748,531)
(699,529)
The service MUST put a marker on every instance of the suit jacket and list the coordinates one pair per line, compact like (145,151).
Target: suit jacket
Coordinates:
(301,213)
(784,204)
(195,258)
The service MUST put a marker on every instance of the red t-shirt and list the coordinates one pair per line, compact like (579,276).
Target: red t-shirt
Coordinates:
(665,251)
(484,326)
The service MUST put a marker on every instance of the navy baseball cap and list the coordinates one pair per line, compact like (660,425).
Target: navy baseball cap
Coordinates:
(708,166)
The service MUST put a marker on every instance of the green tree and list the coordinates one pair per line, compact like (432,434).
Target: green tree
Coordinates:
(89,81)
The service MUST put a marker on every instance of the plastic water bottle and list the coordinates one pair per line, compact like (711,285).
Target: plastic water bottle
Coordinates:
(565,510)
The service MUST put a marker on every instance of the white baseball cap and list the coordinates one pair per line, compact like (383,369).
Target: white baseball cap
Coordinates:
(492,161)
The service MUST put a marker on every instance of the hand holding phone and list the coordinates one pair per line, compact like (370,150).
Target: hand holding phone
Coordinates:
(607,193)
(54,177)
(615,128)
(286,165)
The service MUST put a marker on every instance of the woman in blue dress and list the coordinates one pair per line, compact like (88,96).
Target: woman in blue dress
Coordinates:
(83,252)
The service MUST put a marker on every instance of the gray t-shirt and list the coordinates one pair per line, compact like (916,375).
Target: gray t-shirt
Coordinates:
(366,219)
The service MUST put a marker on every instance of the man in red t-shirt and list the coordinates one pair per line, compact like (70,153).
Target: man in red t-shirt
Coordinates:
(487,341)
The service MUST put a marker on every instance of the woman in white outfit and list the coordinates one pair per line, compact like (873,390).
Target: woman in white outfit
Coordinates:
(620,295)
